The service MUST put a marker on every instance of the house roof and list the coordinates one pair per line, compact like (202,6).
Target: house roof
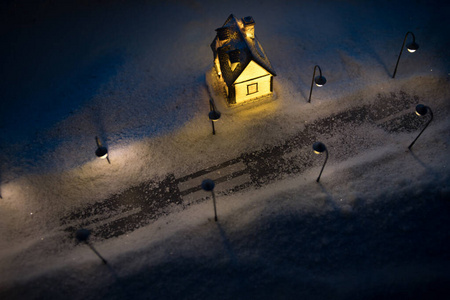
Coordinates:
(238,48)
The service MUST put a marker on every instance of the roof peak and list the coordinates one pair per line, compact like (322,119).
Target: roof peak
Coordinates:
(235,42)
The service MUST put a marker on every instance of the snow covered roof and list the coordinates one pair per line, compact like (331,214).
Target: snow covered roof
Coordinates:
(231,45)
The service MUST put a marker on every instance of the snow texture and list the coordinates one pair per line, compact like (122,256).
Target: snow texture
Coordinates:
(134,74)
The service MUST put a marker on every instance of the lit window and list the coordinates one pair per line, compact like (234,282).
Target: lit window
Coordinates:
(252,88)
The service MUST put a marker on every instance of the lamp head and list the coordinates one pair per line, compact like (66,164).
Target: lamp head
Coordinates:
(319,147)
(208,185)
(412,47)
(101,152)
(421,110)
(82,235)
(214,115)
(320,80)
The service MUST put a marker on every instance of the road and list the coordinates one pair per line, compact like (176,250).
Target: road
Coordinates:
(141,205)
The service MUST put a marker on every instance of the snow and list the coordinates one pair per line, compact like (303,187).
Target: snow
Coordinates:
(135,74)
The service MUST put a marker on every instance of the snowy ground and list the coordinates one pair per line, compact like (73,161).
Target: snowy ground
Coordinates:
(134,74)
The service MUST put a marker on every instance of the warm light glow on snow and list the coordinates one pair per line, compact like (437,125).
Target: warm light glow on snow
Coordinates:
(18,193)
(137,81)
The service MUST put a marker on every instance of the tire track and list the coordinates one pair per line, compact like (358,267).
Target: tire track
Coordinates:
(141,205)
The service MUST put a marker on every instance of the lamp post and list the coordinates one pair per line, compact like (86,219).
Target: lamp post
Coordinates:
(412,47)
(208,185)
(421,110)
(319,80)
(213,115)
(82,235)
(101,151)
(318,148)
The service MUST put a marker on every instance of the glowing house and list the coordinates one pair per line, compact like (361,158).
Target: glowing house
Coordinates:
(240,61)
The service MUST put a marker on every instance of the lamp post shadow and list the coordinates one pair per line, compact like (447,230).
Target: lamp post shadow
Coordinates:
(303,95)
(120,282)
(228,247)
(427,168)
(378,60)
(329,198)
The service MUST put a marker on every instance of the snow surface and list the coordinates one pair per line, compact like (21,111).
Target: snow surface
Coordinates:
(133,73)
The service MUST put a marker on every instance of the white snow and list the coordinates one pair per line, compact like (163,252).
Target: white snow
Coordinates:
(133,73)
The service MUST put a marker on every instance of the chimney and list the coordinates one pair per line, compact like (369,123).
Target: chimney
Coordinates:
(249,27)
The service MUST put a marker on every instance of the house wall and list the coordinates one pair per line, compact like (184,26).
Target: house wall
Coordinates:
(253,77)
(244,91)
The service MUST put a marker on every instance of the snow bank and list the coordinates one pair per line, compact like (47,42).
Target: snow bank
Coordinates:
(134,75)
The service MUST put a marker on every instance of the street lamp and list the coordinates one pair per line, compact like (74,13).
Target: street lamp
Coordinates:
(412,47)
(208,185)
(82,235)
(421,110)
(101,151)
(319,80)
(318,148)
(213,115)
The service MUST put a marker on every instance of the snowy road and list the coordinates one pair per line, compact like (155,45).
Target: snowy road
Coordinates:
(133,73)
(141,205)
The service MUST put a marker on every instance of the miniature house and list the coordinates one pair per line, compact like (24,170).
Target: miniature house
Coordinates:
(240,61)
